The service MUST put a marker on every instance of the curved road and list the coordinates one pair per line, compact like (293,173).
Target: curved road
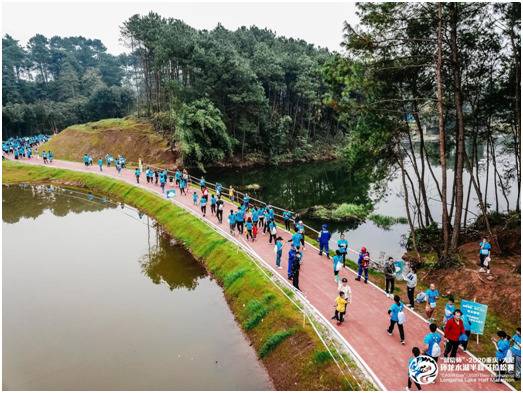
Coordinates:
(366,319)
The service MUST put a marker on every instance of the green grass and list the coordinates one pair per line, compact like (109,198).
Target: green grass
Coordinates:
(231,267)
(273,341)
(321,357)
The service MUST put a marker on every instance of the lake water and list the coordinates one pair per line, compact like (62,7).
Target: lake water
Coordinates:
(94,298)
(300,186)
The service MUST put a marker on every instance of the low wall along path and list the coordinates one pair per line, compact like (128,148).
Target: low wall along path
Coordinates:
(366,320)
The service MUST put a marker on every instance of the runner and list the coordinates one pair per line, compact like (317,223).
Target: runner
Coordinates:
(296,265)
(272,230)
(323,239)
(100,164)
(432,341)
(411,278)
(86,159)
(295,239)
(219,189)
(195,198)
(118,168)
(202,183)
(232,222)
(453,330)
(255,216)
(341,305)
(343,245)
(231,193)
(163,180)
(397,316)
(261,216)
(301,230)
(203,205)
(219,209)
(344,287)
(516,352)
(449,310)
(413,368)
(213,204)
(432,297)
(278,249)
(248,226)
(292,257)
(467,325)
(156,176)
(137,174)
(390,275)
(337,265)
(240,217)
(287,215)
(503,355)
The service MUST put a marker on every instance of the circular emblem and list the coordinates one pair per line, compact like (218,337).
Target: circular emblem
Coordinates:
(423,369)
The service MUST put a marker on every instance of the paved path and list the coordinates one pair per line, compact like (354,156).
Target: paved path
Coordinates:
(366,319)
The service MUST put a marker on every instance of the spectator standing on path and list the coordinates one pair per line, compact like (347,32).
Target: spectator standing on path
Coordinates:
(390,275)
(516,352)
(432,298)
(503,357)
(363,265)
(432,341)
(411,278)
(231,193)
(340,308)
(453,330)
(413,368)
(296,265)
(323,239)
(397,316)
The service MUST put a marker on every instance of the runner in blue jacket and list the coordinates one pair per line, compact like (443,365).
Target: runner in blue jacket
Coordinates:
(324,238)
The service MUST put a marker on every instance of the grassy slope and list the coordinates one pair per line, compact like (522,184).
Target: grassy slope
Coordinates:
(291,352)
(132,138)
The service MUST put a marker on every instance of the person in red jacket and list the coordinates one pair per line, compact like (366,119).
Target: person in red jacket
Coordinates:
(453,329)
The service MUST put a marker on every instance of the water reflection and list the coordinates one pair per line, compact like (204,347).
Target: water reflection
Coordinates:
(172,265)
(31,201)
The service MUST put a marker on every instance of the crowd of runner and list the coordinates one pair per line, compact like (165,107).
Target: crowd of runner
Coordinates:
(251,220)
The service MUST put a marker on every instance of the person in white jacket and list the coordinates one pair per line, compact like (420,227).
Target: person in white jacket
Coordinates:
(411,279)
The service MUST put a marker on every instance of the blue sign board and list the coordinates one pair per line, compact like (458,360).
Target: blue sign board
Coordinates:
(476,314)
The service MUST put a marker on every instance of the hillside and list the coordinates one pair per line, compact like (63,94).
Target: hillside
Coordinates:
(129,137)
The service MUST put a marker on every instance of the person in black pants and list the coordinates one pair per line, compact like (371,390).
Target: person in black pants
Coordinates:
(394,312)
(416,352)
(296,264)
(411,279)
(390,274)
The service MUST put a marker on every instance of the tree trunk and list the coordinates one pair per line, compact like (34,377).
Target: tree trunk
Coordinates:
(442,147)
(460,140)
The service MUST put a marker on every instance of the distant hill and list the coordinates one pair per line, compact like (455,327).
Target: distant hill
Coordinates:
(129,137)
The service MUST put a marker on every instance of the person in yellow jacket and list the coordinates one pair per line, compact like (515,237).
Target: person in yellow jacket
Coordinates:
(341,306)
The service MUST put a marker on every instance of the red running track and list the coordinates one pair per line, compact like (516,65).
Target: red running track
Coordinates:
(366,319)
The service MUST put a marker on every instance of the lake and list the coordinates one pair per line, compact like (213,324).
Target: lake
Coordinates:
(95,297)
